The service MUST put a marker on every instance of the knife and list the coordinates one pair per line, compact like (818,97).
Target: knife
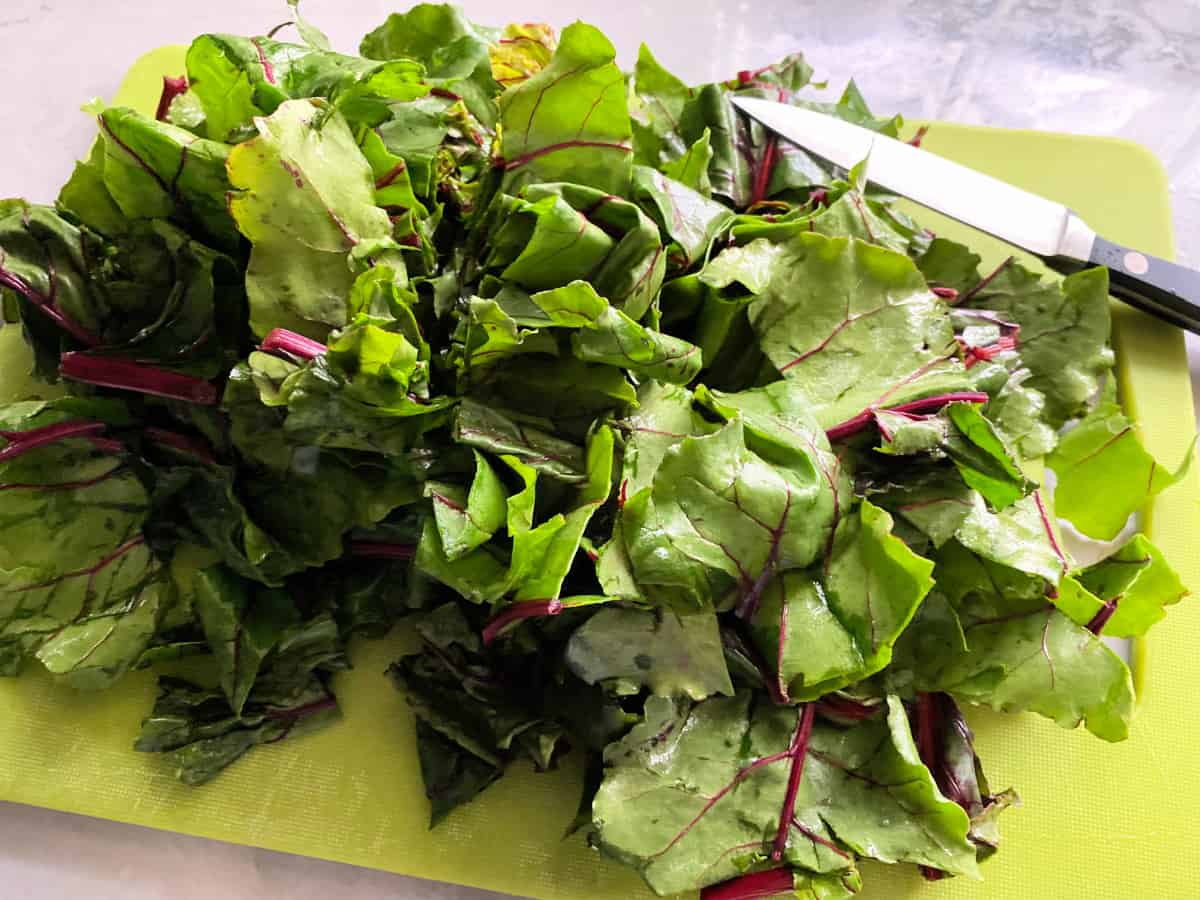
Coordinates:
(1017,217)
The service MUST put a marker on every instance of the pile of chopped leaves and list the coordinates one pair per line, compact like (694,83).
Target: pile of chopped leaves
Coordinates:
(679,450)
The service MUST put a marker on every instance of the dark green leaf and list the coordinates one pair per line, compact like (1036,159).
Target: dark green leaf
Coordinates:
(200,735)
(494,431)
(242,626)
(155,170)
(80,589)
(452,775)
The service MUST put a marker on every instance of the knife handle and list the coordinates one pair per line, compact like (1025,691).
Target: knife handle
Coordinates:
(1164,289)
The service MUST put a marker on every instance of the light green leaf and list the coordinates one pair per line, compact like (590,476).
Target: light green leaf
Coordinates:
(672,655)
(694,797)
(691,169)
(543,244)
(1104,474)
(236,79)
(982,458)
(554,234)
(312,35)
(855,325)
(539,568)
(962,433)
(1041,661)
(663,417)
(454,51)
(657,106)
(1064,333)
(936,503)
(478,576)
(305,198)
(684,214)
(570,122)
(853,215)
(1136,581)
(1022,537)
(604,334)
(465,519)
(835,625)
(723,507)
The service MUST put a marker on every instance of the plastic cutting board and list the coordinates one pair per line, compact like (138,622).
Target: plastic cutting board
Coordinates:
(1098,821)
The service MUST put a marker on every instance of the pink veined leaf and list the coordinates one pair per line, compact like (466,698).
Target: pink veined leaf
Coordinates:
(47,305)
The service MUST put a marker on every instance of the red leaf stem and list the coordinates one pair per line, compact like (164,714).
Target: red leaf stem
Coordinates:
(297,345)
(517,612)
(20,442)
(382,550)
(172,88)
(127,375)
(750,887)
(925,405)
(798,752)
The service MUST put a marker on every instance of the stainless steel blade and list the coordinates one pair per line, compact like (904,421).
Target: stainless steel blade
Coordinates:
(1015,216)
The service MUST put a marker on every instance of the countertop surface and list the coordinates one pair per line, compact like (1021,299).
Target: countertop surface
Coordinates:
(1125,68)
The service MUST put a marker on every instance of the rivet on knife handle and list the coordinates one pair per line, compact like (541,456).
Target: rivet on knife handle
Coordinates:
(1154,285)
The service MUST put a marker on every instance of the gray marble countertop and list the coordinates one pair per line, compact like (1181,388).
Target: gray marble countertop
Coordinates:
(1128,68)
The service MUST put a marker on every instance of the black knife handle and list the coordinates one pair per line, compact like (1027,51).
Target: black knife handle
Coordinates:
(1164,289)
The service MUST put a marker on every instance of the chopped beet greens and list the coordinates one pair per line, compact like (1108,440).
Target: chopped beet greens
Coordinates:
(678,451)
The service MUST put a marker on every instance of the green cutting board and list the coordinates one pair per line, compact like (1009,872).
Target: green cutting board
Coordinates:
(1098,820)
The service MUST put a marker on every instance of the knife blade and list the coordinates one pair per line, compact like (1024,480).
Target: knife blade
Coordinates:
(1018,217)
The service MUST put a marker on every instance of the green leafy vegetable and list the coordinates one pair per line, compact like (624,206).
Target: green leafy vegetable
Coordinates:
(305,199)
(569,121)
(1123,594)
(718,505)
(881,340)
(1039,660)
(454,51)
(1104,449)
(467,519)
(678,450)
(826,629)
(81,589)
(241,627)
(694,796)
(672,655)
